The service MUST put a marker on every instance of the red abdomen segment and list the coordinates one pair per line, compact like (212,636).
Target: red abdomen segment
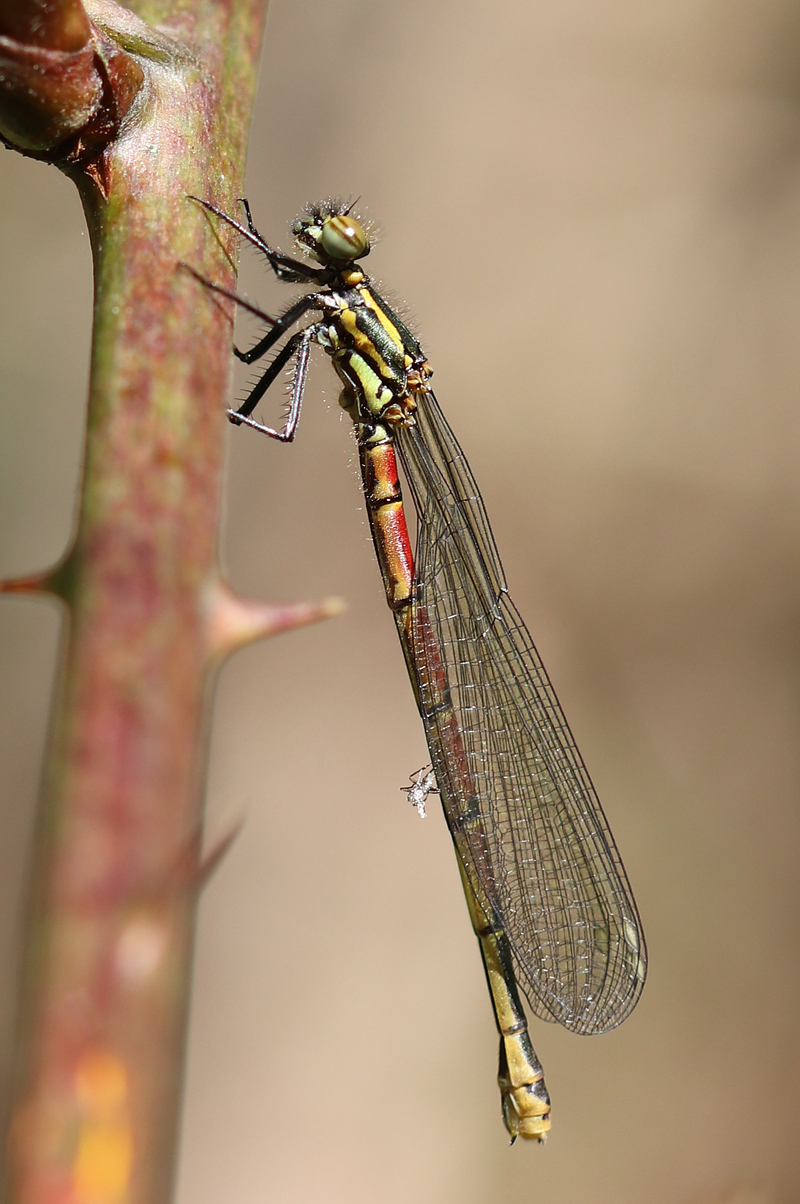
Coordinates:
(388,521)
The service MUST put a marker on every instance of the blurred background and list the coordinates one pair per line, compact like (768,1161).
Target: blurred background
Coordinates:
(591,212)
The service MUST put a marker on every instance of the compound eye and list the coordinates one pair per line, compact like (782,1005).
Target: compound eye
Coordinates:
(343,238)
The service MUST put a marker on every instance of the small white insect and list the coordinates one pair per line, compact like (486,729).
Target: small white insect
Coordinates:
(423,783)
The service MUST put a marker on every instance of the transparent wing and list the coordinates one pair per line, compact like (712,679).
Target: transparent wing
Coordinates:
(523,812)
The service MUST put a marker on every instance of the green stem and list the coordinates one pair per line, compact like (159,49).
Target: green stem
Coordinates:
(112,906)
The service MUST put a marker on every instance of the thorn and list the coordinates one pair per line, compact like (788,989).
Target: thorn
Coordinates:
(214,856)
(189,873)
(233,621)
(56,581)
(37,583)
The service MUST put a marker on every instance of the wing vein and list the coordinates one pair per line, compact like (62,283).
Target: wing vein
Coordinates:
(520,803)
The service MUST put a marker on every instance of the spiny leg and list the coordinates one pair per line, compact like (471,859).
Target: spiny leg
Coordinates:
(284,267)
(226,292)
(299,345)
(251,226)
(280,327)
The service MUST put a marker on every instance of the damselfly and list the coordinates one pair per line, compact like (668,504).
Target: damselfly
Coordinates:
(547,892)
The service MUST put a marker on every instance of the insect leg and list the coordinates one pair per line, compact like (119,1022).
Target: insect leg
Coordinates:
(277,259)
(299,345)
(226,292)
(251,226)
(284,267)
(281,325)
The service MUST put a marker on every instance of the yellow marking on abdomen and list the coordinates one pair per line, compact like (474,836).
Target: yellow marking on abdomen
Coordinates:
(374,391)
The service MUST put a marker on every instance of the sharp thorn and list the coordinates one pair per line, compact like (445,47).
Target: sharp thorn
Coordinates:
(233,622)
(215,855)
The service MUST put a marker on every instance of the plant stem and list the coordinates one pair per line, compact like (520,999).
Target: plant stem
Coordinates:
(117,869)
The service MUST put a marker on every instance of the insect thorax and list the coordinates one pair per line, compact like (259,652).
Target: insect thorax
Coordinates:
(380,369)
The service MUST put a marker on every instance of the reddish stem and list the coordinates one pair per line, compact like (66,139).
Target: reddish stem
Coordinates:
(111,915)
